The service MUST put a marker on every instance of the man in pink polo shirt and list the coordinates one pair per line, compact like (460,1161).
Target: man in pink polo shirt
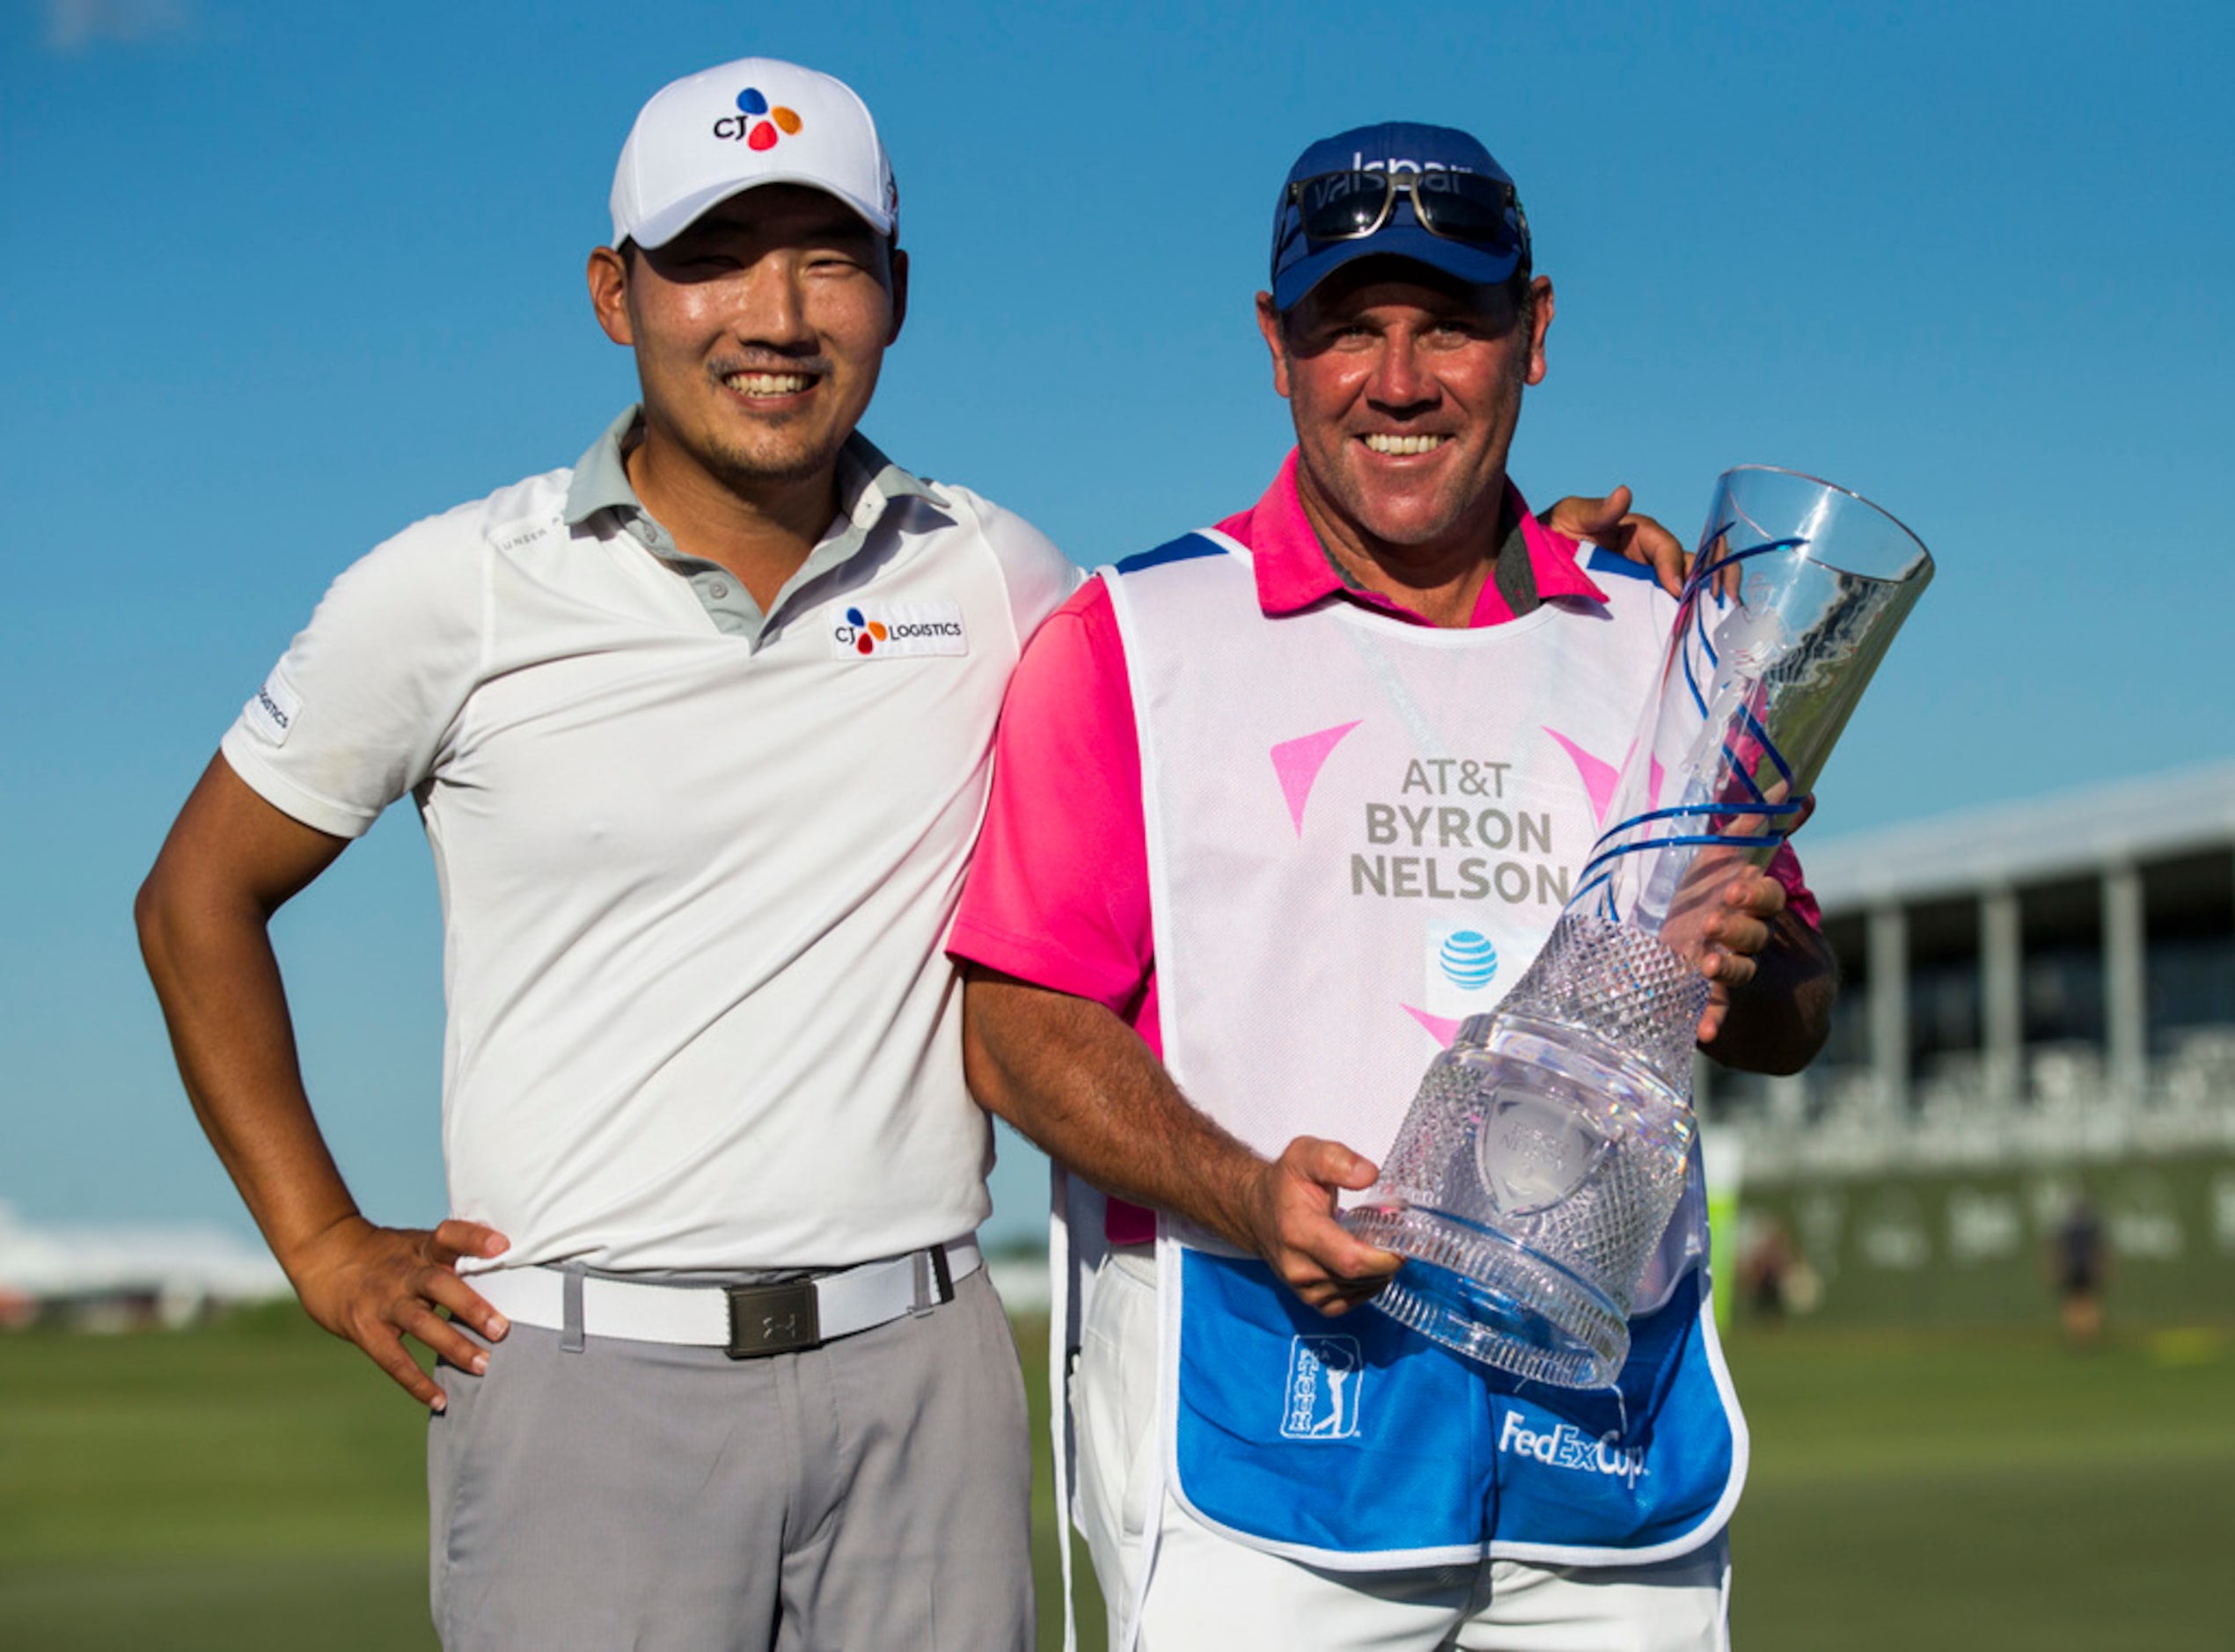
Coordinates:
(1275,805)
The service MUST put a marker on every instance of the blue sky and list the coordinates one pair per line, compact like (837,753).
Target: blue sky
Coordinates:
(284,278)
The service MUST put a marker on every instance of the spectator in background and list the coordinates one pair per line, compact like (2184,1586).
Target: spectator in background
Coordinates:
(2080,1258)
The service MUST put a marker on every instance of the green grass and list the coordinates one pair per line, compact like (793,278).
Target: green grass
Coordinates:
(255,1486)
(1985,1490)
(230,1487)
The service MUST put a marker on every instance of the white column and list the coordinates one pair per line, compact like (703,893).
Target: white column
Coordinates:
(2002,1001)
(1888,946)
(1789,1099)
(2126,1010)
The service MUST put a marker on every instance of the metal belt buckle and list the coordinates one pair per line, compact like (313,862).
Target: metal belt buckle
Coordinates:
(772,1320)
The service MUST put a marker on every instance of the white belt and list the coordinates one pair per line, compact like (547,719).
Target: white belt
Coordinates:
(746,1321)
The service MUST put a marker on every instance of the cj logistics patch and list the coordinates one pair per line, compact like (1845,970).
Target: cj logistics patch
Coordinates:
(272,711)
(898,631)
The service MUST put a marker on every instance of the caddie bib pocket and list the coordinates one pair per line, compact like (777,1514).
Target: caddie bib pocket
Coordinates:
(1354,1443)
(1351,1443)
(1617,1473)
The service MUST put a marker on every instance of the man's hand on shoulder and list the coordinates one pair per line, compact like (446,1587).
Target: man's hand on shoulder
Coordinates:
(1609,523)
(374,1286)
(1291,1222)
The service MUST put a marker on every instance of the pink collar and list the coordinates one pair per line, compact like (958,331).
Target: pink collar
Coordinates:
(1293,573)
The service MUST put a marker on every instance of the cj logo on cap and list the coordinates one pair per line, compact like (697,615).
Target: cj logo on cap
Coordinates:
(749,124)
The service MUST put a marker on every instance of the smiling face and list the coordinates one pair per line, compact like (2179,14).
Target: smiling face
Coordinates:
(1405,388)
(759,332)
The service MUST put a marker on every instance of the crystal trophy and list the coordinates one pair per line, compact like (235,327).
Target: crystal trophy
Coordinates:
(1547,1147)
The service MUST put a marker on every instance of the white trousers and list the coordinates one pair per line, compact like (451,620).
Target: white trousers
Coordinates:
(1208,1591)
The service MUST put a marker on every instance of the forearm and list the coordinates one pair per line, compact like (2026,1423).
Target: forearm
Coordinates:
(1779,1019)
(1079,1083)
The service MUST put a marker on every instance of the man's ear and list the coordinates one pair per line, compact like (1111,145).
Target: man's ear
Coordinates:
(609,294)
(900,268)
(1276,335)
(1542,288)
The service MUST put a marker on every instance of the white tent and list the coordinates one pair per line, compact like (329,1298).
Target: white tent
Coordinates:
(181,1270)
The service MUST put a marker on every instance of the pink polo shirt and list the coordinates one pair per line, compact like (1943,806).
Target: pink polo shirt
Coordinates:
(1057,893)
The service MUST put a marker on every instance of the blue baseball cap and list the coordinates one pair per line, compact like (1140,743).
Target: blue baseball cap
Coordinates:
(1497,240)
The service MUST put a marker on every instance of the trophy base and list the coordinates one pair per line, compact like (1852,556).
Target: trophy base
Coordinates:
(1493,1300)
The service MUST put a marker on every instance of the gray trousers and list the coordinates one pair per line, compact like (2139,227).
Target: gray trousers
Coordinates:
(872,1494)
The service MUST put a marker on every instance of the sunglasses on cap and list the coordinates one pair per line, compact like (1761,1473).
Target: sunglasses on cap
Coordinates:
(1470,207)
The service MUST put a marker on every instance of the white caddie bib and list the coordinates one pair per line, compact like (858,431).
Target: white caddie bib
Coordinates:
(1359,833)
(1360,830)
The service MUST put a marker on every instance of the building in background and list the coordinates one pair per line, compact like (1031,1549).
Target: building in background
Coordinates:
(2038,1010)
(115,1277)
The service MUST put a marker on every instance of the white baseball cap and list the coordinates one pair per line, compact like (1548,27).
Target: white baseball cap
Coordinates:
(727,129)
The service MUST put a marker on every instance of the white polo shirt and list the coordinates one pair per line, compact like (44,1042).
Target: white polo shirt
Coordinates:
(696,862)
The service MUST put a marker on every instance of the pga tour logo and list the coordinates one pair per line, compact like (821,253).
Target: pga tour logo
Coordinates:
(896,631)
(1321,1402)
(1566,1446)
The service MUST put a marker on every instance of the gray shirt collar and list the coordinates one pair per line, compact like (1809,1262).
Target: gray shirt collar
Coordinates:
(864,475)
(868,485)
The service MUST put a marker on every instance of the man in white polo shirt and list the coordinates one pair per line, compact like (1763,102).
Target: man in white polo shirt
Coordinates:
(700,733)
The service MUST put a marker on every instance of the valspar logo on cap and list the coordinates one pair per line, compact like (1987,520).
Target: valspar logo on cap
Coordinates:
(897,631)
(1359,164)
(749,126)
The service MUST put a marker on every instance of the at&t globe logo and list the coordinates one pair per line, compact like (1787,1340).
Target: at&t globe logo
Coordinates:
(1468,961)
